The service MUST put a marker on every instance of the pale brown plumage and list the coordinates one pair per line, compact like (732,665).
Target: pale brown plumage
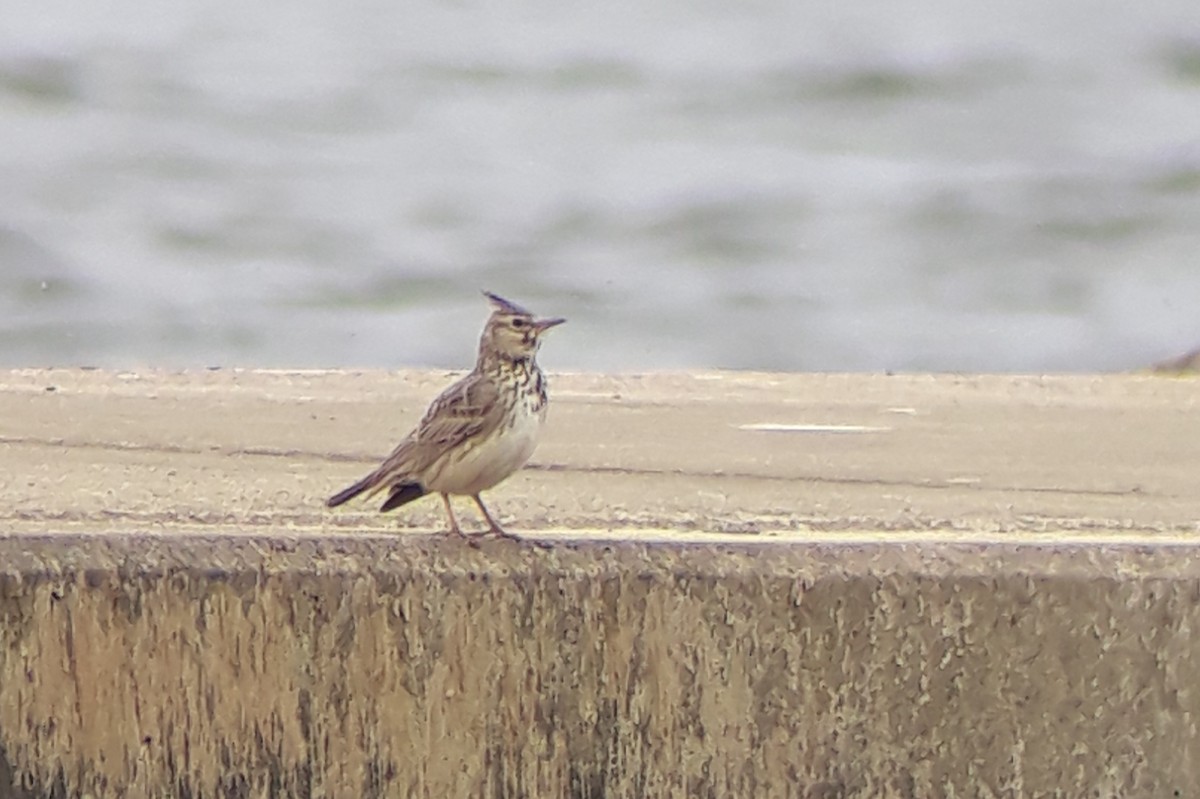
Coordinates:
(479,430)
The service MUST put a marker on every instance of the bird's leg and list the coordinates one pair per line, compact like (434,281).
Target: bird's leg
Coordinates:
(495,525)
(454,528)
(496,529)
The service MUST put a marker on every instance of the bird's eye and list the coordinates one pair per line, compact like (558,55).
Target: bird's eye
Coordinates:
(518,323)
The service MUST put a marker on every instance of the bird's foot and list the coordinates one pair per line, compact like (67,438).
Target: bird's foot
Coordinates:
(456,532)
(499,532)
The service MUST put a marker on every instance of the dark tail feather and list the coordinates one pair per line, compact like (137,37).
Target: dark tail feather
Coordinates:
(402,494)
(350,493)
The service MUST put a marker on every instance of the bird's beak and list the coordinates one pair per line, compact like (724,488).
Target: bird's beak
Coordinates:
(542,325)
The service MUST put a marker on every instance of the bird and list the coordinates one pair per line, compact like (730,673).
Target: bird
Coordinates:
(479,430)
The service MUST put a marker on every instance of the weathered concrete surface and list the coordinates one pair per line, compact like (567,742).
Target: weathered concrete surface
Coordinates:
(994,593)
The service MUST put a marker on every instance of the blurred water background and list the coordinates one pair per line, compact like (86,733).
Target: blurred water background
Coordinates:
(938,185)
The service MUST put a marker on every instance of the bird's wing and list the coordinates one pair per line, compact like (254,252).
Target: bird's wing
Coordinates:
(469,408)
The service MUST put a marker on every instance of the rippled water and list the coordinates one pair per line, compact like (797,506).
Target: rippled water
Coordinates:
(945,185)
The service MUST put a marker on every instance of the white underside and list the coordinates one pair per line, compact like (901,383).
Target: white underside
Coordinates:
(488,462)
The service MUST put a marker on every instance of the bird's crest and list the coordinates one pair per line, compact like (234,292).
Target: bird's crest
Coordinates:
(504,306)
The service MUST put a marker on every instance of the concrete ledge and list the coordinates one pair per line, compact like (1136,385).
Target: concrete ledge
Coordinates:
(992,592)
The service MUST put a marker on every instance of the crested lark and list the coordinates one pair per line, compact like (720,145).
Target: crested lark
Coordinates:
(479,430)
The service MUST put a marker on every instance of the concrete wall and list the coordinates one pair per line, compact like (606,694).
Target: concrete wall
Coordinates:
(252,666)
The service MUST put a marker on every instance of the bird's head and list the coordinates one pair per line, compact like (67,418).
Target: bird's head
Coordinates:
(512,332)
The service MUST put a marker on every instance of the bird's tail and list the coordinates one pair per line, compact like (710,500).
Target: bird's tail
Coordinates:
(402,494)
(347,494)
